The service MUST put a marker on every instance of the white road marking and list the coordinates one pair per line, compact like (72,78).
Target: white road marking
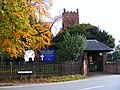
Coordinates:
(90,88)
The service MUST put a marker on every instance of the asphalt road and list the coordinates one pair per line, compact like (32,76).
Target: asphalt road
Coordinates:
(104,82)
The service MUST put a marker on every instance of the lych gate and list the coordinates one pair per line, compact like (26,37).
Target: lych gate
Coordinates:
(95,56)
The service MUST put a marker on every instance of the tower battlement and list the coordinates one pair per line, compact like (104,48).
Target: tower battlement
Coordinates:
(64,11)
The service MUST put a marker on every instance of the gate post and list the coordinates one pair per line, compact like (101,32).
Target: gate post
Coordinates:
(85,64)
(104,60)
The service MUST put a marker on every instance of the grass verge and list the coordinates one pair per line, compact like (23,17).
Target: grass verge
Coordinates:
(50,78)
(6,84)
(46,79)
(63,78)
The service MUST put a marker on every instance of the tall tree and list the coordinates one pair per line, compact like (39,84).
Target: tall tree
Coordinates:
(91,32)
(71,48)
(20,27)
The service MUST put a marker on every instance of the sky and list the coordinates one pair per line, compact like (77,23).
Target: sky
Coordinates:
(104,14)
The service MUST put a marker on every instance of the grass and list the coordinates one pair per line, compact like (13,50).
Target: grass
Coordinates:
(63,78)
(50,78)
(46,79)
(6,84)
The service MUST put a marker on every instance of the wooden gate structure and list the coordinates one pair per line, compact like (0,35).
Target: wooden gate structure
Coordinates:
(95,56)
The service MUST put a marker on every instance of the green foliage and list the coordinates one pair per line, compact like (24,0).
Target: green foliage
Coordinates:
(91,32)
(71,48)
(116,53)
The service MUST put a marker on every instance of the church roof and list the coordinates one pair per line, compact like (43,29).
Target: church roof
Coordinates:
(94,45)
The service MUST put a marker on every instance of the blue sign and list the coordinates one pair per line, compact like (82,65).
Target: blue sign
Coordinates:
(46,55)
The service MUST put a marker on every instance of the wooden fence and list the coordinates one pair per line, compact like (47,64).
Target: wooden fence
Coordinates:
(14,70)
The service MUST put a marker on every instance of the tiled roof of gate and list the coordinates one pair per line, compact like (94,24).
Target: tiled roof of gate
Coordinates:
(94,45)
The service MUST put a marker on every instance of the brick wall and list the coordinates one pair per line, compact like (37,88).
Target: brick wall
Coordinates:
(112,68)
(118,66)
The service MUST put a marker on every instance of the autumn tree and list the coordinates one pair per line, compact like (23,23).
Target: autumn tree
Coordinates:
(23,25)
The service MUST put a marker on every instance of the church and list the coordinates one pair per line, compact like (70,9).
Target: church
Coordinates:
(95,55)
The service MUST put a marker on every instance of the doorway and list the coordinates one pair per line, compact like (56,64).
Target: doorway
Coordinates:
(95,62)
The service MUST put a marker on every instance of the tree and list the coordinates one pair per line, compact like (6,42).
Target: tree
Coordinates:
(71,48)
(116,53)
(90,31)
(21,27)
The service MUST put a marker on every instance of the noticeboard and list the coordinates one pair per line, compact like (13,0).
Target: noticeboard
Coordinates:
(46,55)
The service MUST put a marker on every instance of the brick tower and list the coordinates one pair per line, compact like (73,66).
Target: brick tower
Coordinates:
(69,18)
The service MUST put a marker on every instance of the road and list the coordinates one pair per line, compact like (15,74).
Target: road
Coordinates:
(104,82)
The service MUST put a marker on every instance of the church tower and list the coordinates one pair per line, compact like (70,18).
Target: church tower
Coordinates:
(69,18)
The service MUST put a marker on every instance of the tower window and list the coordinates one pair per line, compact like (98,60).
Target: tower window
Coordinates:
(71,23)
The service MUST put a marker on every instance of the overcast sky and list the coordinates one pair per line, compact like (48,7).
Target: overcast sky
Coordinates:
(102,13)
